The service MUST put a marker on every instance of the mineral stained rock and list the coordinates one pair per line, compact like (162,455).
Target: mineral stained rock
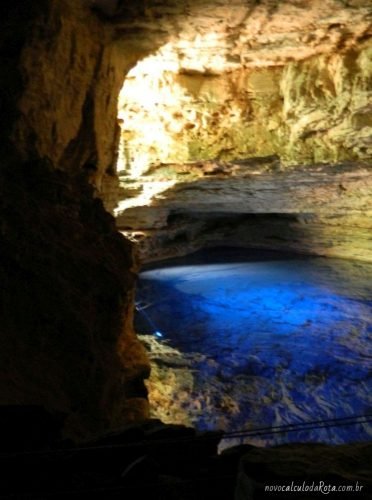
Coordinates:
(235,83)
(239,79)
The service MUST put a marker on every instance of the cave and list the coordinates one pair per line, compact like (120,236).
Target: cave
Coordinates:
(142,136)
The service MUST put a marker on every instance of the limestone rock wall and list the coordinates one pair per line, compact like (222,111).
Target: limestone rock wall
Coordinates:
(327,107)
(70,67)
(67,275)
(314,209)
(317,110)
(236,82)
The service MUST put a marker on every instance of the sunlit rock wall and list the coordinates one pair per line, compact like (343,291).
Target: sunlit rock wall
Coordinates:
(241,82)
(317,110)
(321,209)
(67,275)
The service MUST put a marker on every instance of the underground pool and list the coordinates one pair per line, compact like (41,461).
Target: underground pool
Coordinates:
(272,341)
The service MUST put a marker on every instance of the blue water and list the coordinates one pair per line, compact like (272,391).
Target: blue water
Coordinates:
(289,339)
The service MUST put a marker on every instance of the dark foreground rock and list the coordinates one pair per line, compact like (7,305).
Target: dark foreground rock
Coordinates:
(171,462)
(306,471)
(67,278)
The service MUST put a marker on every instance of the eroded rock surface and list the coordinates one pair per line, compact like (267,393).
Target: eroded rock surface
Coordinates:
(305,111)
(237,82)
(238,79)
(319,209)
(70,77)
(67,275)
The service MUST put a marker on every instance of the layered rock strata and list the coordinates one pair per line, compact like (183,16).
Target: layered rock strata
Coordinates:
(233,83)
(322,209)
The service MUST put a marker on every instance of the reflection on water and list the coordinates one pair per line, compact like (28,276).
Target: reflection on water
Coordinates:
(289,339)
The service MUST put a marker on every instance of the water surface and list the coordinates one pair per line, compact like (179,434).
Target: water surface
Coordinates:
(288,338)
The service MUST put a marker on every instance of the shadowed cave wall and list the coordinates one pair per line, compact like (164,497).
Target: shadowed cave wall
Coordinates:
(67,275)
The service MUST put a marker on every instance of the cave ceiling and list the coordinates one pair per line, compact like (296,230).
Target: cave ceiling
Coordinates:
(246,33)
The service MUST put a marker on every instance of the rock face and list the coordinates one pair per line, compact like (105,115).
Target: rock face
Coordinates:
(243,79)
(235,82)
(67,275)
(66,334)
(319,209)
(317,110)
(69,67)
